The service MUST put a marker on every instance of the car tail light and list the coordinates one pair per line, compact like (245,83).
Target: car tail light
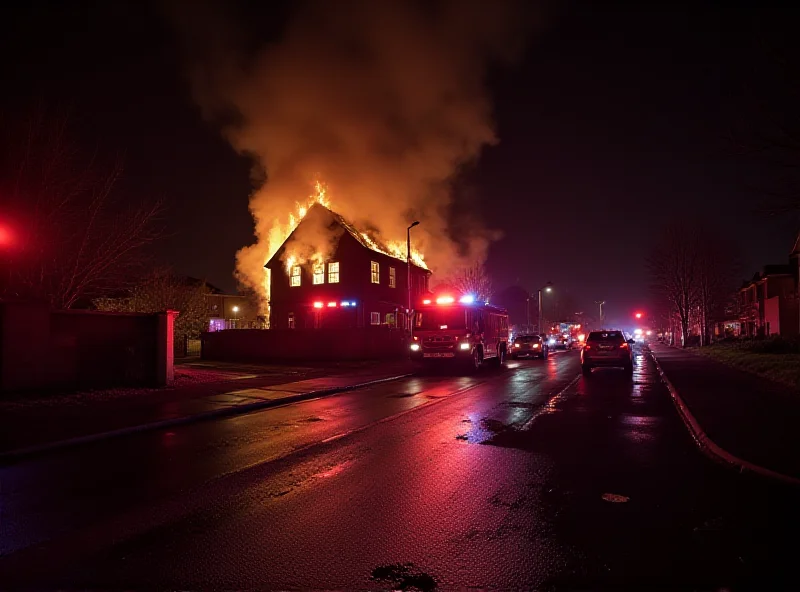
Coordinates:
(587,346)
(623,345)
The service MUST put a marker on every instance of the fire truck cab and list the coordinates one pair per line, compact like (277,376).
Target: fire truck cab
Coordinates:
(448,330)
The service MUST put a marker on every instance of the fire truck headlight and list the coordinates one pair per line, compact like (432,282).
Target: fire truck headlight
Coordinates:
(463,345)
(415,347)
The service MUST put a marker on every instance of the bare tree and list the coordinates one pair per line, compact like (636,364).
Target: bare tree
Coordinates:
(693,270)
(473,280)
(716,272)
(163,290)
(673,266)
(75,236)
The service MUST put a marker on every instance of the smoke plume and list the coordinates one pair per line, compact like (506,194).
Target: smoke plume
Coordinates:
(383,101)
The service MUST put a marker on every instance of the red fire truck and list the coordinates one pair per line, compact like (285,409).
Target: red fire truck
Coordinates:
(447,329)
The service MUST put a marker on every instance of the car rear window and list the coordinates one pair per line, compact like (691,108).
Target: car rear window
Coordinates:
(613,336)
(527,339)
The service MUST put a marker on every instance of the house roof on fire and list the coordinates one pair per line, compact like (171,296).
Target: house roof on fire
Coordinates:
(368,241)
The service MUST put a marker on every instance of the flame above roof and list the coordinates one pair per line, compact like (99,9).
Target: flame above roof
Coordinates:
(365,238)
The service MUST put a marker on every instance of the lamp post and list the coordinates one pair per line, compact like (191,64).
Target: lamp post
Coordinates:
(528,311)
(235,310)
(601,303)
(408,278)
(548,287)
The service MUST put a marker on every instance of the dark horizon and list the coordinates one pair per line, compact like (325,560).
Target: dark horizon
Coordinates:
(616,121)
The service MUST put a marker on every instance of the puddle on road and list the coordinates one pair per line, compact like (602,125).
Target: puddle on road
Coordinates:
(404,576)
(483,431)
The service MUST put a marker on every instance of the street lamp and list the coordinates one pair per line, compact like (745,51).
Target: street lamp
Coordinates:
(548,287)
(408,269)
(601,303)
(235,310)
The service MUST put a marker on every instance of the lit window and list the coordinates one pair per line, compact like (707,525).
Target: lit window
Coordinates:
(374,318)
(333,272)
(392,278)
(319,273)
(375,269)
(291,320)
(390,319)
(295,279)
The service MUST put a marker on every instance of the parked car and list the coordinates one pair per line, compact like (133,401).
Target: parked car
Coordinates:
(607,348)
(530,346)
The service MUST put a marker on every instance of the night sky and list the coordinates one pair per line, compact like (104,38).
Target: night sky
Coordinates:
(618,120)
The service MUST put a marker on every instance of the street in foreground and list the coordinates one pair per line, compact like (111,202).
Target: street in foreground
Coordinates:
(526,477)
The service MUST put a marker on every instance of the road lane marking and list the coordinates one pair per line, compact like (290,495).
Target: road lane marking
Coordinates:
(550,405)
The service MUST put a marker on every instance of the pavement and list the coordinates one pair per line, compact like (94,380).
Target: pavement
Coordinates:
(749,418)
(202,389)
(529,477)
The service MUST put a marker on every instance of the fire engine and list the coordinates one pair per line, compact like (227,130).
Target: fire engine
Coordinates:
(463,329)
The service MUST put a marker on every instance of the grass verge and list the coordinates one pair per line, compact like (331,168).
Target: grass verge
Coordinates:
(780,367)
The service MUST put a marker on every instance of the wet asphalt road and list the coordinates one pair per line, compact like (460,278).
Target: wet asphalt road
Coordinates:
(527,477)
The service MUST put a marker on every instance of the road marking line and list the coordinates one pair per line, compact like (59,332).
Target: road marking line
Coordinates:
(707,446)
(549,405)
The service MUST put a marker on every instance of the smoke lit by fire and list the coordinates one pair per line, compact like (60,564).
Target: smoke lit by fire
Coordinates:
(383,102)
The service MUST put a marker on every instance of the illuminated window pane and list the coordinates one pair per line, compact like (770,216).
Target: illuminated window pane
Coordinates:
(333,272)
(295,278)
(375,270)
(319,273)
(392,278)
(374,318)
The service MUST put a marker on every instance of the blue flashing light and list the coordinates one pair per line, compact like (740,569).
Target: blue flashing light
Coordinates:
(468,299)
(345,303)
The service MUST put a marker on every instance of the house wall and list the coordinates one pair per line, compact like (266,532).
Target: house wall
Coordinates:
(305,344)
(355,285)
(44,349)
(772,316)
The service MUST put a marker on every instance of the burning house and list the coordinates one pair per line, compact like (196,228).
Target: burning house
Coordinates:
(329,274)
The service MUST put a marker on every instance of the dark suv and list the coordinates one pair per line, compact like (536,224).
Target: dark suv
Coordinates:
(607,348)
(530,346)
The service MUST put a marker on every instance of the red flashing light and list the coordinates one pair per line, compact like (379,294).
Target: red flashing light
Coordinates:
(318,305)
(638,315)
(331,305)
(426,301)
(445,300)
(5,237)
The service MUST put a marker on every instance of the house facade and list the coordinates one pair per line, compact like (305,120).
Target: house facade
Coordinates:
(768,303)
(357,286)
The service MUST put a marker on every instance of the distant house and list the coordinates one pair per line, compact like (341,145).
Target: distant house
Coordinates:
(768,303)
(357,285)
(231,311)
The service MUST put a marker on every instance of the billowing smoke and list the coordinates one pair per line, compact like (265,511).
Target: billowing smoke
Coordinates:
(383,101)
